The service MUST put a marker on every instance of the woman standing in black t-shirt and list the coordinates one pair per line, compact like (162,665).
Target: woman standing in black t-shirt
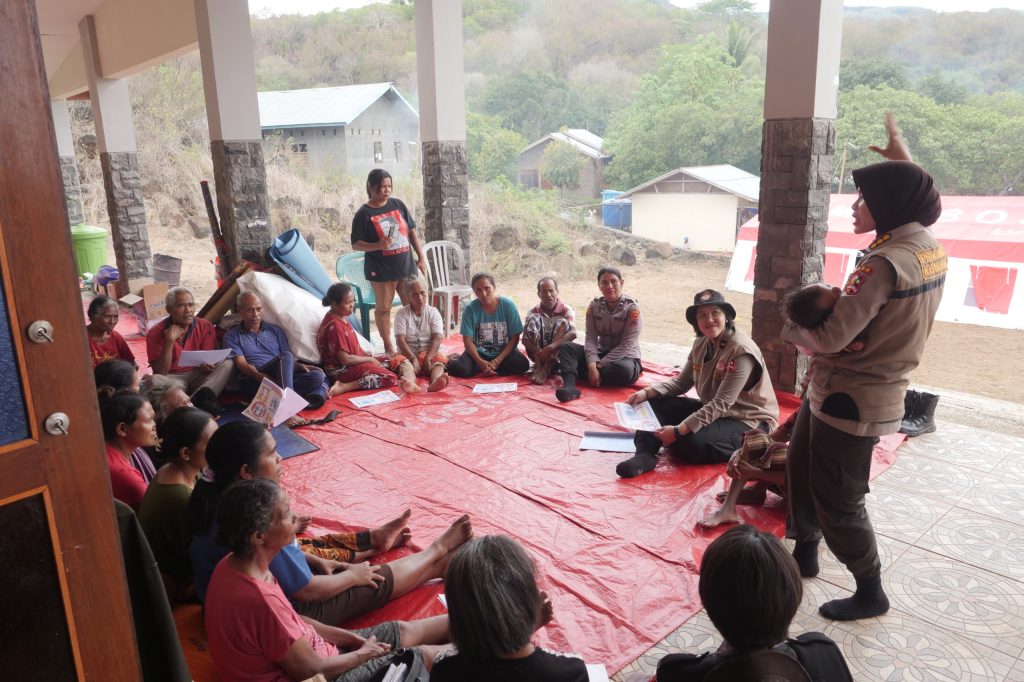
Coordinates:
(385,231)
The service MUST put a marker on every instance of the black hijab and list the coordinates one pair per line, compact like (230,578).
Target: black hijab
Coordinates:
(897,193)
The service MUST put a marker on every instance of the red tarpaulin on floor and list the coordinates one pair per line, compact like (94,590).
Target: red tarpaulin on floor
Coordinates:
(618,557)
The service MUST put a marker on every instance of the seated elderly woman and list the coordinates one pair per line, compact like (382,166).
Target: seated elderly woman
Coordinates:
(734,393)
(345,363)
(490,330)
(128,425)
(750,587)
(104,342)
(324,589)
(494,607)
(255,634)
(183,440)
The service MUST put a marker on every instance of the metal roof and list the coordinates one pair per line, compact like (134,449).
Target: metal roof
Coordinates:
(316,107)
(584,141)
(723,176)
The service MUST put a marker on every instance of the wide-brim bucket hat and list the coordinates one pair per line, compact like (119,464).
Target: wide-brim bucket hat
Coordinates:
(709,297)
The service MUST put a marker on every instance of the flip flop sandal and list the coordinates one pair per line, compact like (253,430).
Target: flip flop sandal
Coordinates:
(329,417)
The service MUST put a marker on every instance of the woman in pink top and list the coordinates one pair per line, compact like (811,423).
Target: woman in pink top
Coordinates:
(252,630)
(128,423)
(344,361)
(104,342)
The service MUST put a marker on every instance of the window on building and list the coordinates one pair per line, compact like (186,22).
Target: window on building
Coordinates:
(398,151)
(378,151)
(299,148)
(529,178)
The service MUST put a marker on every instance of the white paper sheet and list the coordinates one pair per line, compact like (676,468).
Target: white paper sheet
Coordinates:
(638,418)
(195,358)
(274,405)
(496,388)
(608,441)
(374,399)
(597,672)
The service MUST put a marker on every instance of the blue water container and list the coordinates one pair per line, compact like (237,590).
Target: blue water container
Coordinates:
(617,213)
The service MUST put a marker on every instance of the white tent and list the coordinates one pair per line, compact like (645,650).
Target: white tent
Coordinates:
(983,237)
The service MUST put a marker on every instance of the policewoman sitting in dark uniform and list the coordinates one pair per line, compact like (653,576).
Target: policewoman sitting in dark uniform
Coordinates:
(611,356)
(735,394)
(855,397)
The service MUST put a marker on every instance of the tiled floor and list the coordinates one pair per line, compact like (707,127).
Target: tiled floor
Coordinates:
(949,515)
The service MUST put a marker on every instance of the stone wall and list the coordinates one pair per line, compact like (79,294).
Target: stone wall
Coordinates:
(127,212)
(241,185)
(796,179)
(446,194)
(72,190)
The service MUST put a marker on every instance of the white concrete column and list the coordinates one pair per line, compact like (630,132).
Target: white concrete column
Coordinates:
(229,69)
(62,127)
(111,105)
(798,142)
(119,159)
(68,168)
(236,142)
(439,70)
(802,70)
(442,97)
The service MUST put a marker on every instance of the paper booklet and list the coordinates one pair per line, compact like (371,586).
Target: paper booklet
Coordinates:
(637,418)
(195,358)
(274,405)
(374,399)
(496,388)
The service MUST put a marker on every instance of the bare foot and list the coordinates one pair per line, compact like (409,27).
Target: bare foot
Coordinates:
(438,384)
(751,495)
(547,610)
(718,518)
(394,533)
(409,385)
(458,533)
(335,389)
(540,375)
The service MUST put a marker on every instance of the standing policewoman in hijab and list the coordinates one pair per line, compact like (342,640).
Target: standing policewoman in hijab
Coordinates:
(855,397)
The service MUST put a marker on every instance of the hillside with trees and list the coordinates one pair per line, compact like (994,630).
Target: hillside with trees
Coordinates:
(669,87)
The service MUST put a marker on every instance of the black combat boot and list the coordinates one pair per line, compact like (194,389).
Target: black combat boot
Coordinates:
(923,419)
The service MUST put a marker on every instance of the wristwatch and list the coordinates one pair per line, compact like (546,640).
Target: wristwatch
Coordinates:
(675,429)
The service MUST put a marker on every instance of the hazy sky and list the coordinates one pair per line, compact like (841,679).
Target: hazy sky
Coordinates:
(264,7)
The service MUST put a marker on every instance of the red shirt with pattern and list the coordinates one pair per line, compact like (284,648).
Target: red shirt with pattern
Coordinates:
(116,348)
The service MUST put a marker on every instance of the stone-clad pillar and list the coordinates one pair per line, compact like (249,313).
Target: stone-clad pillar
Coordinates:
(442,96)
(68,168)
(119,159)
(232,111)
(797,147)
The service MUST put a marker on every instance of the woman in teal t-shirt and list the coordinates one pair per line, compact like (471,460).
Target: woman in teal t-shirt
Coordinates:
(490,330)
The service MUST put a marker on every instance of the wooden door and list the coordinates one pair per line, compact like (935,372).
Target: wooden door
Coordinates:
(64,612)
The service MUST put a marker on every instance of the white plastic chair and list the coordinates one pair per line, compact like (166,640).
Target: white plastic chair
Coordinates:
(447,268)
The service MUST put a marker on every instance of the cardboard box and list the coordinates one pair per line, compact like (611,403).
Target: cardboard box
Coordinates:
(149,305)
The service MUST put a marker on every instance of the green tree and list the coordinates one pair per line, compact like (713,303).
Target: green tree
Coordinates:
(493,150)
(729,8)
(874,73)
(560,165)
(531,103)
(696,108)
(943,90)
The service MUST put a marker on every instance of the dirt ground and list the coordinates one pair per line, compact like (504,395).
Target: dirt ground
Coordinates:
(966,358)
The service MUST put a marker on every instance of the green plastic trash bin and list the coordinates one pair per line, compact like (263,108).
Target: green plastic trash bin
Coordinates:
(90,245)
